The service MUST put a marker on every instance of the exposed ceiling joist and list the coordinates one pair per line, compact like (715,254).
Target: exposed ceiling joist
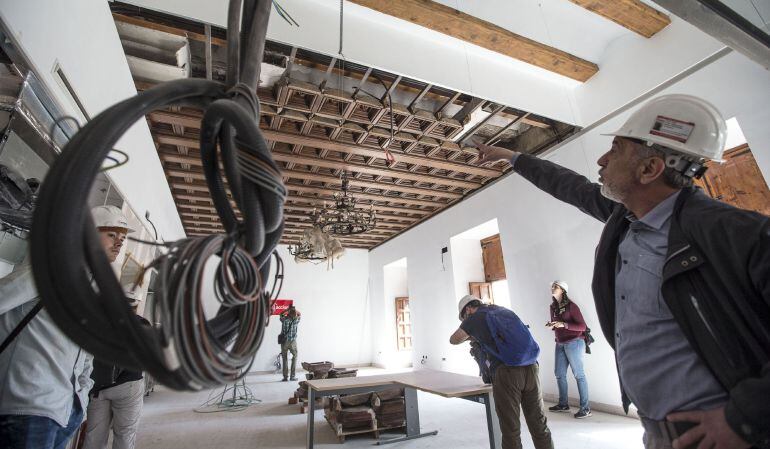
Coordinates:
(195,161)
(457,24)
(315,142)
(201,187)
(632,14)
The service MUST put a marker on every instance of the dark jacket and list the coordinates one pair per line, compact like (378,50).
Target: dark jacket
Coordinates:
(573,321)
(716,282)
(106,375)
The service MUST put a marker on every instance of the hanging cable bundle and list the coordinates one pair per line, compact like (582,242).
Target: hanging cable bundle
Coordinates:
(74,277)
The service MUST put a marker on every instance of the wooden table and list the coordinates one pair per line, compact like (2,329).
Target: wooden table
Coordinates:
(448,385)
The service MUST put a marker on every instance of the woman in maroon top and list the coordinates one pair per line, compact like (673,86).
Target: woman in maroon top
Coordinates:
(568,326)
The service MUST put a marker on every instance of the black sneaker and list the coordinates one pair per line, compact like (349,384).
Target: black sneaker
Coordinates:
(559,408)
(293,378)
(583,413)
(284,380)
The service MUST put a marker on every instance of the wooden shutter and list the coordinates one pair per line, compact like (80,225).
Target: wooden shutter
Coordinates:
(492,253)
(738,181)
(403,324)
(482,290)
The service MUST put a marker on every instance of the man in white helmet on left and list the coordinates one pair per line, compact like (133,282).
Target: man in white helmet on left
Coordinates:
(44,376)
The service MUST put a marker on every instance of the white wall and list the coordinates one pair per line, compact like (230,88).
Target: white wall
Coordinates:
(80,36)
(543,239)
(335,312)
(385,344)
(467,264)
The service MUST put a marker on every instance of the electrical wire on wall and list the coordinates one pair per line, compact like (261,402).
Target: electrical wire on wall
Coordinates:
(187,350)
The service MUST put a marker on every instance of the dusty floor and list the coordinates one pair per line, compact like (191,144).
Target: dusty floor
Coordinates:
(169,422)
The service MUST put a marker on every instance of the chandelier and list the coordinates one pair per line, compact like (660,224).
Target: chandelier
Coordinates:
(317,246)
(305,251)
(342,218)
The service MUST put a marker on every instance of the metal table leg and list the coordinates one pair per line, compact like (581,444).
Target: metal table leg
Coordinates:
(493,425)
(412,419)
(310,417)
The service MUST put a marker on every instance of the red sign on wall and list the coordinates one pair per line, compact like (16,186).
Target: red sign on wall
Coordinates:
(281,305)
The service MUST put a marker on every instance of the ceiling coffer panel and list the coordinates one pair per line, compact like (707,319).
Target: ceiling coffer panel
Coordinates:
(403,143)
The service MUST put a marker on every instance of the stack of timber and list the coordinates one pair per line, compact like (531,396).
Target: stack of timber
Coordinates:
(390,408)
(364,413)
(318,370)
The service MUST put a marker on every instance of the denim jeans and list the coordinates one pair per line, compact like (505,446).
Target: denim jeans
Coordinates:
(38,432)
(571,354)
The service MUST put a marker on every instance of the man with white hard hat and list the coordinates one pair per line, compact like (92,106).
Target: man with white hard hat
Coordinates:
(681,281)
(44,376)
(117,394)
(507,356)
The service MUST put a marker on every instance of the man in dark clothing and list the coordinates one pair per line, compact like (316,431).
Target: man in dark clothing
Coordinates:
(117,398)
(681,281)
(515,384)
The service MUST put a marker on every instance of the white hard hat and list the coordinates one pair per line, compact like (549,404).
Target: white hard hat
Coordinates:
(467,299)
(110,217)
(685,124)
(561,284)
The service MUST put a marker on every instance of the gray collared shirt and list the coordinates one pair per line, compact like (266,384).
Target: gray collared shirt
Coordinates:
(42,371)
(659,370)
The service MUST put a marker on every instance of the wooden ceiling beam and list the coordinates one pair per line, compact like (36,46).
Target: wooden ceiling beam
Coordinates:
(195,161)
(329,179)
(314,142)
(380,219)
(631,14)
(196,187)
(460,25)
(179,173)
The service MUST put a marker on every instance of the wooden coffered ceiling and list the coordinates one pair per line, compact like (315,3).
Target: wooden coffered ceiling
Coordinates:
(322,116)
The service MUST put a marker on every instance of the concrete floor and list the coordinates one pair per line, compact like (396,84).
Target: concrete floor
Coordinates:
(169,422)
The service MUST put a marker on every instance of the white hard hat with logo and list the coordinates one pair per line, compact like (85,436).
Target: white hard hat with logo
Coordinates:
(685,124)
(467,299)
(110,217)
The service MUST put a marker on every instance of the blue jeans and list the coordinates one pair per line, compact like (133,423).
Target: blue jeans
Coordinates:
(38,432)
(571,354)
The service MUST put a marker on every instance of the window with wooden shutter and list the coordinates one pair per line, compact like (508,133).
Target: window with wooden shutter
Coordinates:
(492,254)
(482,290)
(403,324)
(738,181)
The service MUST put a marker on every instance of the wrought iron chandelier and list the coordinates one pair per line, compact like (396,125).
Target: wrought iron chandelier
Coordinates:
(342,218)
(305,251)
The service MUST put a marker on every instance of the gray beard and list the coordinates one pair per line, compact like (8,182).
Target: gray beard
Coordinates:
(609,194)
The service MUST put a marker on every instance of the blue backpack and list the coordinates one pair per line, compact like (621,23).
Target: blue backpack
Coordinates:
(515,345)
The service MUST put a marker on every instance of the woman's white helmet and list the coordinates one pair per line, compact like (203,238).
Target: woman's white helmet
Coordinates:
(685,124)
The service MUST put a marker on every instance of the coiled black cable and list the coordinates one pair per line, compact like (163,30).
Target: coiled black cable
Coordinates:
(74,277)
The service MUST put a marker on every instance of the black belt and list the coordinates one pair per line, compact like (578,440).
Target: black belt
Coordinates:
(666,430)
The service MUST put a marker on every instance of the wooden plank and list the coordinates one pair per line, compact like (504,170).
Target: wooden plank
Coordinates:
(372,184)
(326,193)
(457,24)
(326,163)
(314,142)
(388,219)
(179,173)
(631,14)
